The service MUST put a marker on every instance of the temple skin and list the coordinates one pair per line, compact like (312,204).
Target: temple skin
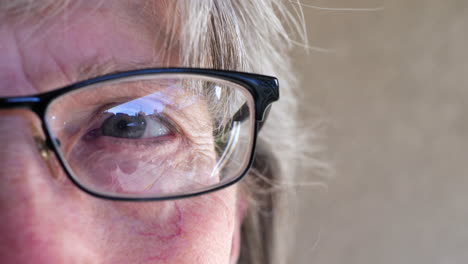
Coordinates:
(45,218)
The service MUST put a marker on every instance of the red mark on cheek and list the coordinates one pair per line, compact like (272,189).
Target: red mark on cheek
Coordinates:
(163,256)
(165,229)
(162,233)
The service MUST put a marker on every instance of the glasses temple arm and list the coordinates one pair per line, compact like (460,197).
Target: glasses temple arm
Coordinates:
(243,113)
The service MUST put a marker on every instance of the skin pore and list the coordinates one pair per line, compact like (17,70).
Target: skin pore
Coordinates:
(45,218)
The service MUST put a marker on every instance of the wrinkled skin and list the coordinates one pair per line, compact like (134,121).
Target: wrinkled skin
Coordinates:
(45,218)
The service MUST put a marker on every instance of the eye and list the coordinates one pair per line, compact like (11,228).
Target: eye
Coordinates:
(152,136)
(122,125)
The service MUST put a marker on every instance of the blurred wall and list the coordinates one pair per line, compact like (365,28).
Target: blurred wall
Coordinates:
(393,91)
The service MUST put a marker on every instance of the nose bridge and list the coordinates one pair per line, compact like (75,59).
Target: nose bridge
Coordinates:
(21,120)
(22,168)
(35,208)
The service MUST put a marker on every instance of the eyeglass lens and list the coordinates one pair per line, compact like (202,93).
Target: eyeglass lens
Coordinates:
(154,135)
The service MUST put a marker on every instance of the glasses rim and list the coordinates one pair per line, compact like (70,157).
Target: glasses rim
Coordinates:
(263,89)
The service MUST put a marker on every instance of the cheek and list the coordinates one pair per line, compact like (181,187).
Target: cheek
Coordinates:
(212,223)
(179,231)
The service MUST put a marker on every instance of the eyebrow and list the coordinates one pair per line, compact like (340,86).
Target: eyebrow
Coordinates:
(91,68)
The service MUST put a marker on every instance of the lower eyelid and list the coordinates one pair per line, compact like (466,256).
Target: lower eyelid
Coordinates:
(105,142)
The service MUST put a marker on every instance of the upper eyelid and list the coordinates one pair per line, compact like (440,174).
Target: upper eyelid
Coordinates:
(96,115)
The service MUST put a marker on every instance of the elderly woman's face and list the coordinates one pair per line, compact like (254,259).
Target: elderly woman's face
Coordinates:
(45,218)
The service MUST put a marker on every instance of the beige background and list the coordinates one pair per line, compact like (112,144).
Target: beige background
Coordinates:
(392,90)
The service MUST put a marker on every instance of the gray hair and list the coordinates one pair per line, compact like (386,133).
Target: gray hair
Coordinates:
(255,36)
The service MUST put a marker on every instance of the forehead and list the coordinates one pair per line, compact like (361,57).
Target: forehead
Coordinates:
(79,39)
(40,9)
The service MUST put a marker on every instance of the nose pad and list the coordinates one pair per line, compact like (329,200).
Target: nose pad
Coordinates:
(44,150)
(46,153)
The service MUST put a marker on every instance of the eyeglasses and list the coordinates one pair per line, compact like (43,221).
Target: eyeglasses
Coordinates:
(154,134)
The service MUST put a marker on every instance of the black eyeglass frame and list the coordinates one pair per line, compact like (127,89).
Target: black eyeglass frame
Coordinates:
(263,89)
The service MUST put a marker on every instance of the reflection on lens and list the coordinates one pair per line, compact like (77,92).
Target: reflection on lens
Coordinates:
(154,136)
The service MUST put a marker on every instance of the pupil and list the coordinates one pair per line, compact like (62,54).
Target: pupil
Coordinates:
(124,126)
